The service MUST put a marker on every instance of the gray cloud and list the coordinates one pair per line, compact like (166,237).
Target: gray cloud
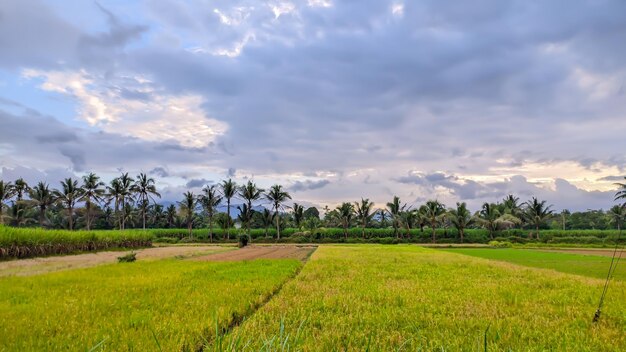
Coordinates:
(308,185)
(198,182)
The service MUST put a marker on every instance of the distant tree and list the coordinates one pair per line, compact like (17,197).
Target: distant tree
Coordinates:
(223,221)
(250,193)
(382,217)
(364,213)
(617,214)
(144,187)
(394,208)
(277,197)
(6,193)
(621,193)
(408,218)
(345,214)
(210,200)
(267,220)
(156,215)
(298,215)
(20,188)
(42,198)
(114,192)
(433,212)
(229,189)
(564,214)
(188,209)
(536,213)
(170,215)
(461,218)
(93,192)
(244,216)
(489,218)
(67,196)
(311,212)
(126,195)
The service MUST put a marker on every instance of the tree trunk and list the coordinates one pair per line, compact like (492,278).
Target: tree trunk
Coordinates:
(143,214)
(461,232)
(70,210)
(434,232)
(42,214)
(211,228)
(537,227)
(277,225)
(228,213)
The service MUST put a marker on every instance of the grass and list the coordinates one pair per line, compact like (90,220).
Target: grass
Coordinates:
(587,265)
(144,306)
(386,298)
(33,242)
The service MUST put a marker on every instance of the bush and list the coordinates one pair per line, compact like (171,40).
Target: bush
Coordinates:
(500,244)
(242,240)
(127,258)
(167,240)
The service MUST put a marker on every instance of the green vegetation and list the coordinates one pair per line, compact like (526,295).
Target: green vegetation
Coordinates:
(586,265)
(164,305)
(31,242)
(408,298)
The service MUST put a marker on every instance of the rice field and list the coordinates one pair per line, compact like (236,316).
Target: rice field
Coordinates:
(346,297)
(408,298)
(164,305)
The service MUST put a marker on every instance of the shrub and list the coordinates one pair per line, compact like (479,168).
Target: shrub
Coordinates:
(500,244)
(127,258)
(242,240)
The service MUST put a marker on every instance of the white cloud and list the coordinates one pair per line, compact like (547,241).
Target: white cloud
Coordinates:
(132,106)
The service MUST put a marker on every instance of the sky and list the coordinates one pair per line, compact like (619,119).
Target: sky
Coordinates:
(335,100)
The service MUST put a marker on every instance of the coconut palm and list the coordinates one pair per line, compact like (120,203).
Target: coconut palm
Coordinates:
(621,193)
(537,212)
(188,209)
(364,213)
(93,193)
(229,189)
(345,214)
(489,218)
(6,193)
(170,215)
(156,215)
(145,189)
(461,218)
(244,216)
(382,217)
(394,209)
(114,192)
(408,218)
(20,188)
(277,196)
(267,219)
(41,197)
(67,196)
(298,215)
(126,194)
(250,193)
(433,212)
(617,214)
(210,200)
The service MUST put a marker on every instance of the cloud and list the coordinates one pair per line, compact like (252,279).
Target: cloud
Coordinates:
(308,185)
(159,171)
(196,183)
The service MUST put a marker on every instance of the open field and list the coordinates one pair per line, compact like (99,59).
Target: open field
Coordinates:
(174,304)
(262,252)
(386,298)
(345,297)
(580,264)
(34,266)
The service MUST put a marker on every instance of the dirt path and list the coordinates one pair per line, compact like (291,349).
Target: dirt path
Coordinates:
(601,252)
(34,266)
(262,252)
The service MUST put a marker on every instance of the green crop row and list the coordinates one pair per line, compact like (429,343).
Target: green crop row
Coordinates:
(32,242)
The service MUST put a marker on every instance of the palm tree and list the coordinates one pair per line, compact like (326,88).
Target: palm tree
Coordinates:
(461,218)
(250,193)
(267,219)
(394,210)
(170,215)
(511,206)
(114,192)
(188,208)
(382,215)
(277,196)
(298,214)
(364,213)
(42,198)
(408,218)
(489,218)
(617,214)
(126,194)
(345,213)
(20,188)
(6,193)
(145,189)
(433,212)
(621,193)
(156,215)
(229,189)
(537,212)
(210,200)
(244,216)
(93,192)
(69,194)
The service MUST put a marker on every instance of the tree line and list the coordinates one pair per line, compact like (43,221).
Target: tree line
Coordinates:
(126,201)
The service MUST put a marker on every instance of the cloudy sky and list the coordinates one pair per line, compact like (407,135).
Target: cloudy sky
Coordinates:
(336,100)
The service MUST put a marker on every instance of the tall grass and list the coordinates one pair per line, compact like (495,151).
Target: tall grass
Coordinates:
(32,242)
